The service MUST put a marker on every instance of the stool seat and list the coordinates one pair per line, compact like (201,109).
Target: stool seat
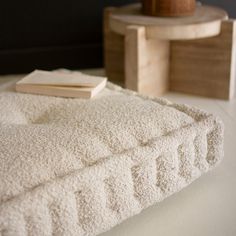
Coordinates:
(206,22)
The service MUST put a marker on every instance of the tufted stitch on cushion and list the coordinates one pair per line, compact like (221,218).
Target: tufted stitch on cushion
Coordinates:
(79,167)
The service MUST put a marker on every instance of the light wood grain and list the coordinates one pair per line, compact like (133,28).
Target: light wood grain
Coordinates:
(146,62)
(205,67)
(61,78)
(198,65)
(61,83)
(113,51)
(206,22)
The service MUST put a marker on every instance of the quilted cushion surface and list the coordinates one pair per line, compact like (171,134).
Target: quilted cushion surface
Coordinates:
(79,167)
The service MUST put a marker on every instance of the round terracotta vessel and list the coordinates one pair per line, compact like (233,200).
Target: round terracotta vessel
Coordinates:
(168,7)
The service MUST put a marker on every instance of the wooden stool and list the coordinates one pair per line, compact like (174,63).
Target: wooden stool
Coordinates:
(194,54)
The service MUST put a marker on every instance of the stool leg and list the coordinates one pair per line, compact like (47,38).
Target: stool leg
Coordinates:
(206,66)
(146,62)
(113,51)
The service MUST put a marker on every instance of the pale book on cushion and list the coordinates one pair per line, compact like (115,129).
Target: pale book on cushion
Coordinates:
(80,167)
(61,83)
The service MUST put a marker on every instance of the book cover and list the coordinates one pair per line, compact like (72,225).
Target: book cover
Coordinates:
(63,84)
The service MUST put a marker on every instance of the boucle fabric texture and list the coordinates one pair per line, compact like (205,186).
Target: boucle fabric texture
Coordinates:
(79,167)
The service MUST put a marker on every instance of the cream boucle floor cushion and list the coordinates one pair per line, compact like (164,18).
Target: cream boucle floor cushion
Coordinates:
(79,167)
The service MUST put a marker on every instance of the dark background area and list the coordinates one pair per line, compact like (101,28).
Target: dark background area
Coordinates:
(58,33)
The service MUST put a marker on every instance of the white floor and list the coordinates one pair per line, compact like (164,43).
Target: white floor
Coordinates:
(208,206)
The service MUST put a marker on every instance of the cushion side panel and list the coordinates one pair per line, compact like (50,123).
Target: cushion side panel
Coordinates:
(95,199)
